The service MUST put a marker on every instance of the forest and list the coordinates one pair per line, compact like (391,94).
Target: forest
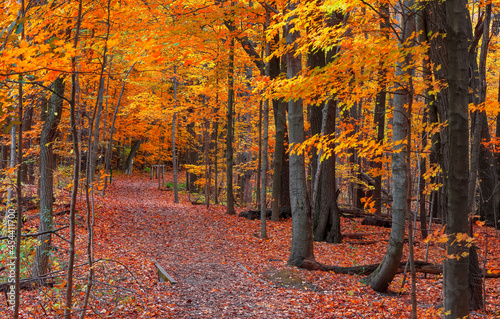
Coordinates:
(249,159)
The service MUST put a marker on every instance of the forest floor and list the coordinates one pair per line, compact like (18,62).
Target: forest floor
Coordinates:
(224,270)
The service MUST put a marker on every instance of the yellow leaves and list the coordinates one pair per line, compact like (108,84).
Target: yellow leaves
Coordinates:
(437,236)
(23,44)
(491,107)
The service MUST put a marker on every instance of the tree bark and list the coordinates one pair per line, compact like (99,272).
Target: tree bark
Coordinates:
(379,116)
(109,151)
(302,228)
(133,149)
(265,142)
(174,155)
(383,276)
(76,171)
(456,270)
(52,116)
(230,133)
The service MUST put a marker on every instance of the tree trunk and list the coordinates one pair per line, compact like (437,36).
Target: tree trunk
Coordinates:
(456,270)
(130,159)
(97,122)
(486,170)
(265,142)
(76,172)
(327,216)
(279,156)
(28,167)
(230,133)
(279,145)
(384,274)
(174,156)
(379,116)
(302,228)
(51,116)
(109,151)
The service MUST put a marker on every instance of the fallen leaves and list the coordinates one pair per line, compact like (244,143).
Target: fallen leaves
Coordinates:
(223,271)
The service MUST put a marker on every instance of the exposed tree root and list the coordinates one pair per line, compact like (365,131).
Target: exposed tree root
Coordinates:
(421,267)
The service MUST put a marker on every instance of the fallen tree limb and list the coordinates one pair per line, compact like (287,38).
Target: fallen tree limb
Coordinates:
(36,234)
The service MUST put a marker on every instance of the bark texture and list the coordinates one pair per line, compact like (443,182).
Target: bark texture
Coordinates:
(302,230)
(456,270)
(52,116)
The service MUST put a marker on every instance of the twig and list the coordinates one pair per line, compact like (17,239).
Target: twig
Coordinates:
(37,234)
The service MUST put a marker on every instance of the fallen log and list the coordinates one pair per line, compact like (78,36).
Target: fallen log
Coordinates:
(285,213)
(377,221)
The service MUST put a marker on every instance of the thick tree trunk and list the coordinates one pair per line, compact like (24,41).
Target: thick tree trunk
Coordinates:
(327,216)
(279,156)
(302,228)
(456,270)
(51,116)
(133,149)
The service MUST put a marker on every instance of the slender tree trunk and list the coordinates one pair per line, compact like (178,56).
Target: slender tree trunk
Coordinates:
(208,178)
(379,116)
(382,277)
(12,160)
(215,139)
(93,150)
(230,133)
(17,277)
(259,160)
(27,175)
(265,161)
(456,270)
(52,117)
(174,157)
(109,151)
(427,76)
(76,172)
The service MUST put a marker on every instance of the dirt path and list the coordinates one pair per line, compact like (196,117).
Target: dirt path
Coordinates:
(205,254)
(224,270)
